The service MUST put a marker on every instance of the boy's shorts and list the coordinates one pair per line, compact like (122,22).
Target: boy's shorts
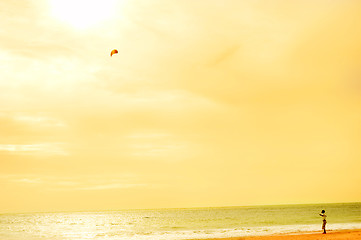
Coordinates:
(324,224)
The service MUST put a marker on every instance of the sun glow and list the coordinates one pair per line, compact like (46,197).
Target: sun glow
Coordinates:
(83,13)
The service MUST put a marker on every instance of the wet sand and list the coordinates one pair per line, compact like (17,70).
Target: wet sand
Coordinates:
(331,235)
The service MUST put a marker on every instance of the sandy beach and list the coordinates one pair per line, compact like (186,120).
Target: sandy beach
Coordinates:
(331,235)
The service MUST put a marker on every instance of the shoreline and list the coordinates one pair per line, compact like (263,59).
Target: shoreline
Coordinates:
(347,234)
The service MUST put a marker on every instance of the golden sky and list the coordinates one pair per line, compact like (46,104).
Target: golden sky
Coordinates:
(207,103)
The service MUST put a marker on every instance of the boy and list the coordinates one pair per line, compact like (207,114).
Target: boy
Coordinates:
(323,215)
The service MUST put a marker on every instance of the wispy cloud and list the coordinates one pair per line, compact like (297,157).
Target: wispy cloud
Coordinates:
(148,135)
(39,119)
(28,180)
(156,144)
(112,186)
(42,148)
(80,183)
(155,149)
(224,55)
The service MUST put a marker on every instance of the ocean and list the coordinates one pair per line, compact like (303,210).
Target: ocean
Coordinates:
(159,224)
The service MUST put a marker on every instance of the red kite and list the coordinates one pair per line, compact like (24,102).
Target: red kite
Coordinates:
(113,52)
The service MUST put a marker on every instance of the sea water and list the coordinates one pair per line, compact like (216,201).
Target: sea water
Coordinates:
(159,224)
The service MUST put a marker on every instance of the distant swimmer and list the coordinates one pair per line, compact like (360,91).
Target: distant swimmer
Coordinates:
(323,215)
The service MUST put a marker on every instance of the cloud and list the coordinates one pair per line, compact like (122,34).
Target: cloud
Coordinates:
(203,94)
(252,51)
(42,148)
(154,150)
(38,119)
(111,186)
(78,183)
(28,181)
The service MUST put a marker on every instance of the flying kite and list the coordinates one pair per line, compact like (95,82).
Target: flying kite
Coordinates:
(114,51)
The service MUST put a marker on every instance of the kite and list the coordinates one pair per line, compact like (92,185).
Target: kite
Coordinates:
(114,51)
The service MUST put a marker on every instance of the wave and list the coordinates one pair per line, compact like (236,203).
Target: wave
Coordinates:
(239,232)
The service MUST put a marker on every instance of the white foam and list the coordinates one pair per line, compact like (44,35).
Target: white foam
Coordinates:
(239,232)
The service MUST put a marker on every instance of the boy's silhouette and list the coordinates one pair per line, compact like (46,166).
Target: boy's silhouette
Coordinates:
(323,215)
